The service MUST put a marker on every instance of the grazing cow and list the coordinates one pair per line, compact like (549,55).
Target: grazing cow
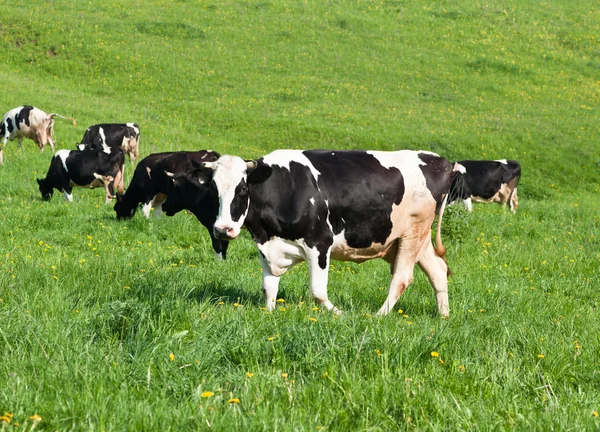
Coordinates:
(152,183)
(319,205)
(486,181)
(105,135)
(28,122)
(90,169)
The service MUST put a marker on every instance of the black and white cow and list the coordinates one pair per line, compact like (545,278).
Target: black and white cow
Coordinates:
(101,136)
(90,169)
(28,122)
(486,181)
(153,181)
(315,206)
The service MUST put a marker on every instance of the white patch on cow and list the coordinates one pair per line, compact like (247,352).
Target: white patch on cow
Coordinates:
(219,256)
(68,197)
(101,132)
(229,171)
(132,126)
(502,161)
(283,158)
(63,155)
(105,148)
(148,170)
(459,168)
(312,201)
(81,147)
(282,254)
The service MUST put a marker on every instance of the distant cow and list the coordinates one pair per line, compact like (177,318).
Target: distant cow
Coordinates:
(101,136)
(29,122)
(486,181)
(315,206)
(89,169)
(152,183)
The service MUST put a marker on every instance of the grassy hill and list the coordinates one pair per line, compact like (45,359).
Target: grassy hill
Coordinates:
(92,309)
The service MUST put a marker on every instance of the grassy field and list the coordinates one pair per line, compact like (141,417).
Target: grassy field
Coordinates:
(107,325)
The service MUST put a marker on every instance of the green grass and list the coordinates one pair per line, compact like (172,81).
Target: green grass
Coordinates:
(91,309)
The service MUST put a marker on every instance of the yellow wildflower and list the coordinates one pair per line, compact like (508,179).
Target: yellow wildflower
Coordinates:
(35,418)
(313,319)
(435,354)
(207,394)
(171,357)
(249,374)
(541,356)
(233,401)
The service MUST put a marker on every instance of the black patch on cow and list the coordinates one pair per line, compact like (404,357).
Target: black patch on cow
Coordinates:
(436,171)
(360,193)
(24,116)
(239,204)
(2,128)
(9,125)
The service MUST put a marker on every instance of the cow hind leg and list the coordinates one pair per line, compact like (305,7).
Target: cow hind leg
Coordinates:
(402,270)
(513,201)
(436,270)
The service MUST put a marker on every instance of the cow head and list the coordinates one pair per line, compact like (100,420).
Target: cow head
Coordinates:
(231,177)
(124,208)
(45,189)
(190,191)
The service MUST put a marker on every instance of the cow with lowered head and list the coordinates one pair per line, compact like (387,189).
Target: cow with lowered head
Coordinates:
(486,181)
(28,122)
(105,135)
(315,206)
(90,169)
(153,182)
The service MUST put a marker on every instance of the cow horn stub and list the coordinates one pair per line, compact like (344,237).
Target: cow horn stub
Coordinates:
(251,164)
(210,165)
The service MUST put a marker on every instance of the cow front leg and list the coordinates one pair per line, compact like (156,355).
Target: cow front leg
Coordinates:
(468,204)
(318,269)
(270,285)
(67,193)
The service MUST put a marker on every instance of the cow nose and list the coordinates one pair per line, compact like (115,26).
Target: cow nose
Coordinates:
(223,232)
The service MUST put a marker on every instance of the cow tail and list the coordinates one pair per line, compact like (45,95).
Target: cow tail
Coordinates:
(439,247)
(66,118)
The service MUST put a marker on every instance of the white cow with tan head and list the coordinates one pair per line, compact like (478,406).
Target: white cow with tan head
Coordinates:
(28,122)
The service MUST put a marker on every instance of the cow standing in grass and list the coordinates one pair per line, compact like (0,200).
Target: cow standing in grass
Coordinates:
(315,206)
(153,182)
(102,136)
(486,181)
(90,169)
(28,122)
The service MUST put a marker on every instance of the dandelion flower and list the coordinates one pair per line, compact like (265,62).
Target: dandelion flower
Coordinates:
(284,375)
(249,374)
(35,418)
(271,338)
(595,413)
(233,401)
(313,319)
(280,300)
(435,354)
(541,356)
(171,357)
(207,394)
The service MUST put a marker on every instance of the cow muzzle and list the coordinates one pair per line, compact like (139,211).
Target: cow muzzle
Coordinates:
(225,232)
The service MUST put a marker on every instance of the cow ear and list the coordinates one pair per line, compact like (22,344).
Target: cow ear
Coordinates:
(39,181)
(260,174)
